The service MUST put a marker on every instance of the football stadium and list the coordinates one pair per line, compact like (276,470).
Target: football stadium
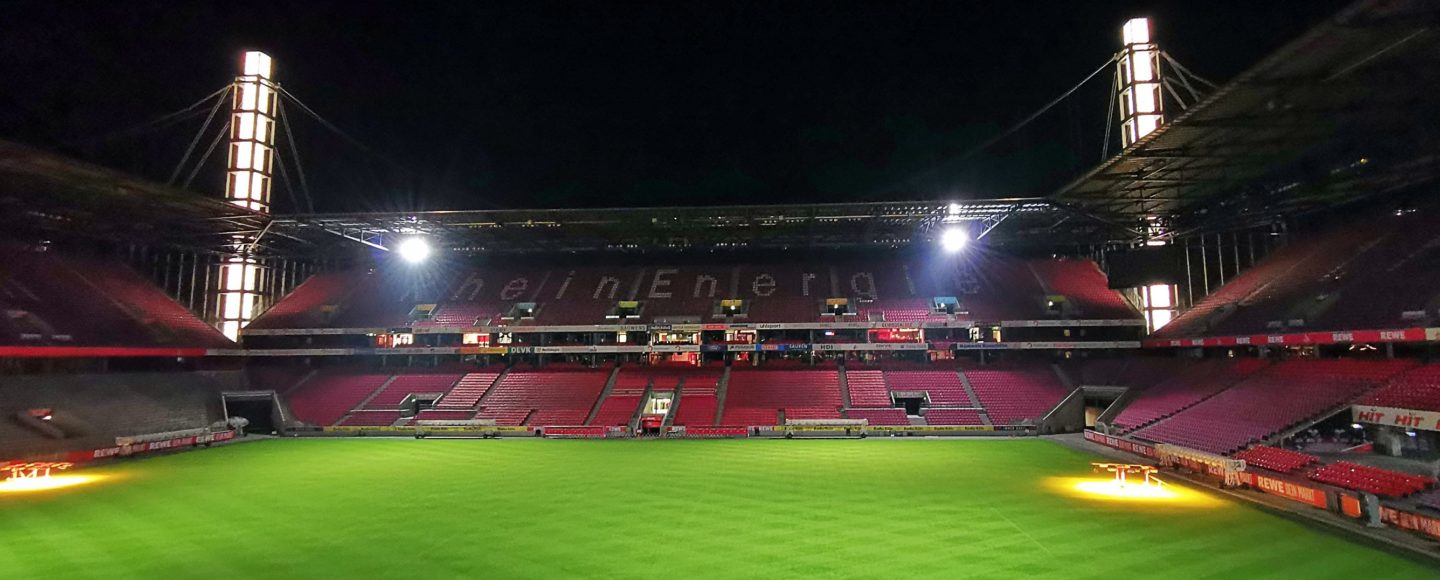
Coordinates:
(1212,352)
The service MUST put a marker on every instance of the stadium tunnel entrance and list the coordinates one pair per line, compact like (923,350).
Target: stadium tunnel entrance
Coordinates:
(258,409)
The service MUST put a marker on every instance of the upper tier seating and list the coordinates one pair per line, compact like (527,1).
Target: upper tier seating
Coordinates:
(1381,482)
(758,395)
(1363,274)
(1017,394)
(1001,288)
(329,395)
(1276,459)
(1418,389)
(1273,399)
(54,300)
(1084,287)
(1184,389)
(556,397)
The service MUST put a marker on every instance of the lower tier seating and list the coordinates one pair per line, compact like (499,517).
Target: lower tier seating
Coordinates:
(1418,389)
(1014,395)
(371,418)
(1276,459)
(556,397)
(754,397)
(1278,397)
(1186,388)
(1381,482)
(885,416)
(329,395)
(953,417)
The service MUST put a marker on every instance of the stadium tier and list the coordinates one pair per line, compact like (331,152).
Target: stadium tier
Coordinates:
(1269,401)
(1417,389)
(756,396)
(326,398)
(879,416)
(50,299)
(1381,482)
(551,396)
(1276,459)
(1375,273)
(1011,396)
(1185,388)
(993,288)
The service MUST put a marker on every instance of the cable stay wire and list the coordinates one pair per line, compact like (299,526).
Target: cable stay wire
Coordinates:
(190,150)
(219,135)
(342,134)
(988,143)
(284,123)
(1110,115)
(285,176)
(155,124)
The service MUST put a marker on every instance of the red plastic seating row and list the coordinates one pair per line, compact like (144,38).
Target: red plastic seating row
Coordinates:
(1269,401)
(941,416)
(1276,459)
(867,389)
(467,392)
(1374,480)
(366,418)
(885,416)
(1013,395)
(755,396)
(1418,389)
(1186,388)
(327,397)
(405,385)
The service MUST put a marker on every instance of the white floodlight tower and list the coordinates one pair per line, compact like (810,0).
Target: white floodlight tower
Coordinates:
(247,184)
(1141,107)
(252,134)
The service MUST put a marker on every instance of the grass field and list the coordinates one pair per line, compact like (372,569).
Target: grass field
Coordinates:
(642,509)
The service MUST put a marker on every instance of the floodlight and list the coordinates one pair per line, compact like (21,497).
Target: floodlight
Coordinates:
(954,239)
(414,250)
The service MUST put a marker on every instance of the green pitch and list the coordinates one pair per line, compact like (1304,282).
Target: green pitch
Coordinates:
(876,508)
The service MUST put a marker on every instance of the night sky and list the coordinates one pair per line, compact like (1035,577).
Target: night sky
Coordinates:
(537,104)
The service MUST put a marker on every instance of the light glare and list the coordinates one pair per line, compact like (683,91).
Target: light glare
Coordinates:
(414,250)
(33,484)
(954,239)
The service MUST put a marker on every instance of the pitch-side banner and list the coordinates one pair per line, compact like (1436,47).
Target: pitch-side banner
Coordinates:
(1303,338)
(1294,491)
(1393,417)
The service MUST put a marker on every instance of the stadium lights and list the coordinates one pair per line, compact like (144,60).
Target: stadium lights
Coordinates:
(1141,103)
(954,239)
(413,250)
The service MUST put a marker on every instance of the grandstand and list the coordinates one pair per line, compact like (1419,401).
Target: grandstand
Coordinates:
(1246,304)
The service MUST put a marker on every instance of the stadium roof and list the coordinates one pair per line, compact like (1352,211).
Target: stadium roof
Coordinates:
(47,194)
(838,225)
(1341,113)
